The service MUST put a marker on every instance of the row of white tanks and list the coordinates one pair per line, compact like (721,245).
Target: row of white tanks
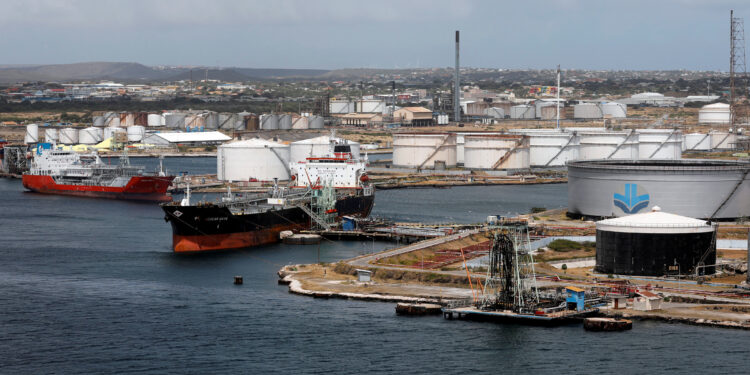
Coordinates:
(265,160)
(285,121)
(524,148)
(87,136)
(547,110)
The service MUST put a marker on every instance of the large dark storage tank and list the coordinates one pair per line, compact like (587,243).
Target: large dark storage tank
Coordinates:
(655,244)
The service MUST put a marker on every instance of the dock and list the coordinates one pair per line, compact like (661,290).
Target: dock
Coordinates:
(507,316)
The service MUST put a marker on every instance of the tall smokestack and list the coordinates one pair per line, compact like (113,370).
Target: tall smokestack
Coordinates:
(456,89)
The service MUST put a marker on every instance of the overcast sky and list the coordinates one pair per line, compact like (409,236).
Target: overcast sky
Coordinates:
(588,34)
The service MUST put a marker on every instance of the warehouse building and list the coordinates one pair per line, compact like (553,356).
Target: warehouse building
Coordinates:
(414,116)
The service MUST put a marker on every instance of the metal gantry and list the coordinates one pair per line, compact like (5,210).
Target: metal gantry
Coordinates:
(511,280)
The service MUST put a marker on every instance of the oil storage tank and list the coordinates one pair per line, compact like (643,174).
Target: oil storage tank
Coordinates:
(723,140)
(110,132)
(613,110)
(252,159)
(90,136)
(551,148)
(319,147)
(697,142)
(285,121)
(316,122)
(50,135)
(717,113)
(136,133)
(269,122)
(496,152)
(655,243)
(522,111)
(700,188)
(211,120)
(608,145)
(174,120)
(424,150)
(154,119)
(98,121)
(32,134)
(68,136)
(226,121)
(587,111)
(659,144)
(300,122)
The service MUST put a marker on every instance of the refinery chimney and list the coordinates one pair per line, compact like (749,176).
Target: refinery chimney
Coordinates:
(456,89)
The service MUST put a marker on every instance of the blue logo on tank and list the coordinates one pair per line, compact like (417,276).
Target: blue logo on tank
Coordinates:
(631,202)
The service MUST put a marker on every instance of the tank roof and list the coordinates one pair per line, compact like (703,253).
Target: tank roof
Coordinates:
(662,165)
(655,221)
(253,143)
(716,106)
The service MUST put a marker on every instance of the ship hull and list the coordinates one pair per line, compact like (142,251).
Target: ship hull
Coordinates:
(212,228)
(140,188)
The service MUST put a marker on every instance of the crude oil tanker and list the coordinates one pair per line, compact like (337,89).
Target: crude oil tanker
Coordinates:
(322,191)
(66,172)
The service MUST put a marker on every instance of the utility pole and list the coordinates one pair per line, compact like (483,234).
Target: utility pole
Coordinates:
(457,87)
(558,96)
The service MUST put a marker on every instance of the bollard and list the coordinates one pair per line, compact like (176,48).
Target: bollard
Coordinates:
(238,280)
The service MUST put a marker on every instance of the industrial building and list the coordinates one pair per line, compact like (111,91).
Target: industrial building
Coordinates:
(361,119)
(709,189)
(655,243)
(413,116)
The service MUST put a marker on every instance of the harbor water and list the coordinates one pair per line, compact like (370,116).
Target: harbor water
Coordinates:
(91,286)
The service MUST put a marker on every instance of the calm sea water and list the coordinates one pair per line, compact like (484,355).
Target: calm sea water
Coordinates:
(91,286)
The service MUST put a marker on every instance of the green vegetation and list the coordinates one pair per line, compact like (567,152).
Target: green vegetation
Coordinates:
(563,246)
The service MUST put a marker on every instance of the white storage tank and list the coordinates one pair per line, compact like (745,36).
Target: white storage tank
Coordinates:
(697,142)
(50,135)
(614,110)
(496,152)
(136,133)
(32,134)
(211,120)
(723,140)
(494,112)
(68,136)
(300,122)
(551,148)
(341,107)
(99,121)
(285,121)
(250,159)
(549,112)
(226,121)
(319,147)
(315,122)
(424,150)
(174,120)
(90,136)
(110,132)
(195,122)
(154,119)
(621,145)
(717,113)
(522,111)
(587,111)
(111,119)
(659,144)
(269,122)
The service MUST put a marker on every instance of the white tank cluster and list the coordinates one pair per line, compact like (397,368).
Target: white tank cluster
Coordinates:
(252,159)
(424,150)
(550,147)
(713,140)
(717,113)
(319,147)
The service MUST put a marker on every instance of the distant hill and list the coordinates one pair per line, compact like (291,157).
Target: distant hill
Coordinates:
(135,72)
